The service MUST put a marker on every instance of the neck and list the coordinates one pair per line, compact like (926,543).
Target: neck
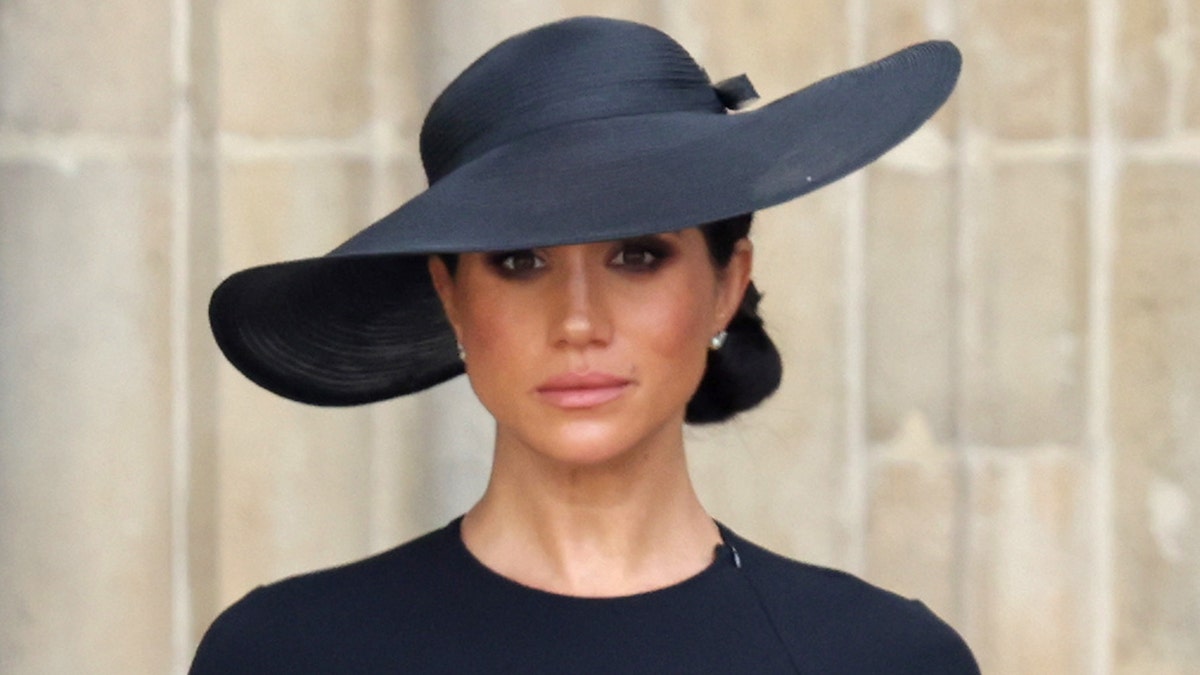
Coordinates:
(623,526)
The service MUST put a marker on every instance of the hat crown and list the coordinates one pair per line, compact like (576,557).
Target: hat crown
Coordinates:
(571,71)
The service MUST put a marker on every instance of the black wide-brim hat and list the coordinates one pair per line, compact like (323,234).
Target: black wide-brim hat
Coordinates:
(583,130)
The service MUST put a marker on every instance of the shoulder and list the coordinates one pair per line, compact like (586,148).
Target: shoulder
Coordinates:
(313,622)
(848,623)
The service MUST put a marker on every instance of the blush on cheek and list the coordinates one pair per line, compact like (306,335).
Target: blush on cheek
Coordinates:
(672,329)
(676,340)
(495,347)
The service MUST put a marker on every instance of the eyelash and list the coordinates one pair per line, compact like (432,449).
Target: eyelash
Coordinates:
(525,263)
(506,264)
(657,251)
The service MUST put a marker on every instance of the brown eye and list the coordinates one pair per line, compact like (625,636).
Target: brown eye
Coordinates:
(516,263)
(639,257)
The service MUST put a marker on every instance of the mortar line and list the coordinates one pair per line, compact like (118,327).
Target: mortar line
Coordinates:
(375,487)
(381,513)
(360,145)
(181,451)
(856,500)
(57,149)
(1179,63)
(371,144)
(1102,185)
(959,302)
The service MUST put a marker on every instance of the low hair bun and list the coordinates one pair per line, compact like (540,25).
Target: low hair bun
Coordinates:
(742,373)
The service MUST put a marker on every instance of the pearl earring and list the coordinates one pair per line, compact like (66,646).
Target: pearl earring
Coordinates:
(462,352)
(718,340)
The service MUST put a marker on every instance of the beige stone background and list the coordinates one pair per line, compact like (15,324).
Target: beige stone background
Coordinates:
(992,388)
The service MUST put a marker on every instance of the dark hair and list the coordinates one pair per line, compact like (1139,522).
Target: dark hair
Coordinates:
(747,368)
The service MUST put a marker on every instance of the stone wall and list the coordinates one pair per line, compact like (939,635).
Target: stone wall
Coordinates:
(992,388)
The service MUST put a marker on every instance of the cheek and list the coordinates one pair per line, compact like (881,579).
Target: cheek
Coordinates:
(503,342)
(669,328)
(673,324)
(494,332)
(490,331)
(490,318)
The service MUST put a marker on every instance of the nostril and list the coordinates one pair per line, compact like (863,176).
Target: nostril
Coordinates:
(578,328)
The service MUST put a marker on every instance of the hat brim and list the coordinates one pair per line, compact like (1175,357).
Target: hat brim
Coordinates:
(363,323)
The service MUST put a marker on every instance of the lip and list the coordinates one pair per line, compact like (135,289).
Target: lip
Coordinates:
(574,391)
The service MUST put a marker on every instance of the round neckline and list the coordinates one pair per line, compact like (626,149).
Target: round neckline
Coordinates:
(724,558)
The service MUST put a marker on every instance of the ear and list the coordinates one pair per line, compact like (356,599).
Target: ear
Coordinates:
(443,284)
(732,282)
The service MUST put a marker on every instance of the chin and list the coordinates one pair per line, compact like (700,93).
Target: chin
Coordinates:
(588,443)
(595,442)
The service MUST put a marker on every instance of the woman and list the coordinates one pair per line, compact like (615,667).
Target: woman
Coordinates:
(581,253)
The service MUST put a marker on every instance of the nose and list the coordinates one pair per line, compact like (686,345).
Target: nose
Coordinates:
(583,312)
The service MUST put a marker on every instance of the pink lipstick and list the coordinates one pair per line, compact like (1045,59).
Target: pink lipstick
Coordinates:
(582,390)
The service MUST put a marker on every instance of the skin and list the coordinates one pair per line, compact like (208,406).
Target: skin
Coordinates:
(591,499)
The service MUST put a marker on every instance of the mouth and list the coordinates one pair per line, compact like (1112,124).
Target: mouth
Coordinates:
(573,391)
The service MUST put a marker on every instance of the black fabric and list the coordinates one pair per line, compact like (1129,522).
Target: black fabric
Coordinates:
(430,607)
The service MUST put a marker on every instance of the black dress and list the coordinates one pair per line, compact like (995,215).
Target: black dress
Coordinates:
(429,606)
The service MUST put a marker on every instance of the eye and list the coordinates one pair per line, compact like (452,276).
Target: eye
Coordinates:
(639,256)
(516,263)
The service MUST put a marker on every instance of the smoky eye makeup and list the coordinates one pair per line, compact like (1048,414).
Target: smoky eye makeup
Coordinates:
(642,254)
(636,254)
(515,264)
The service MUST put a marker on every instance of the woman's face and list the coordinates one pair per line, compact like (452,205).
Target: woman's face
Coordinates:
(584,353)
